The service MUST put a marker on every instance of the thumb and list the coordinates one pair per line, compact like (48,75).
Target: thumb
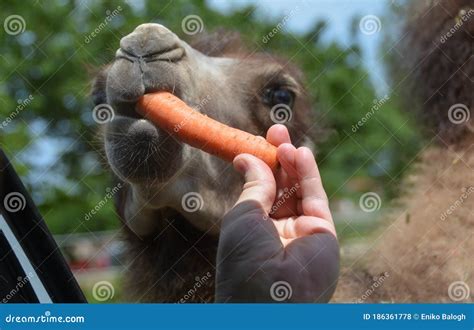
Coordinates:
(260,185)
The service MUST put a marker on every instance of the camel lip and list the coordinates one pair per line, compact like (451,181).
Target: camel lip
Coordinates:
(172,55)
(164,88)
(152,154)
(168,55)
(172,89)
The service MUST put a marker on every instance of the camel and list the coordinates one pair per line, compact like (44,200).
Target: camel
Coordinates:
(174,196)
(423,250)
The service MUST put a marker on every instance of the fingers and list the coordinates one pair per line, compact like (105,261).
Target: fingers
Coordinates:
(314,200)
(302,226)
(278,134)
(303,170)
(308,174)
(286,154)
(259,184)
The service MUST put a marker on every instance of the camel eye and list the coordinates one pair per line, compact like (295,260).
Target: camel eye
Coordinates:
(279,95)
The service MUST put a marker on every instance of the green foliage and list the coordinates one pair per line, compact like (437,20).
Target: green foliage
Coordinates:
(50,60)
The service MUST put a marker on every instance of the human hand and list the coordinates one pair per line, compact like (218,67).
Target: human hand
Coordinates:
(279,240)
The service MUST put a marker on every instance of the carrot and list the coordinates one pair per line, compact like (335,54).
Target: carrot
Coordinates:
(190,126)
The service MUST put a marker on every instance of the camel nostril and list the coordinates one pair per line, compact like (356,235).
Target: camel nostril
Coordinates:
(151,42)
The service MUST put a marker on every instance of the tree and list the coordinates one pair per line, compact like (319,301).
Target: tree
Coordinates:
(60,42)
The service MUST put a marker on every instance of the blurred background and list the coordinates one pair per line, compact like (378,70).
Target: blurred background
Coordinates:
(48,57)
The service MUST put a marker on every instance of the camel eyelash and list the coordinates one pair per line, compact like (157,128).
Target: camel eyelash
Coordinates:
(282,80)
